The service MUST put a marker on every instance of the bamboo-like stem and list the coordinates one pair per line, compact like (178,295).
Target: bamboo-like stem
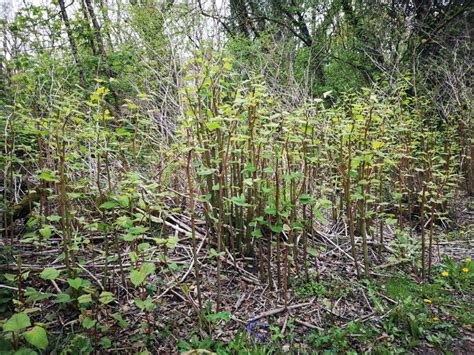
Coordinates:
(193,224)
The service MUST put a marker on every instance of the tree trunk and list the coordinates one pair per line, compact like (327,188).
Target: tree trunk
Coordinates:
(102,52)
(72,41)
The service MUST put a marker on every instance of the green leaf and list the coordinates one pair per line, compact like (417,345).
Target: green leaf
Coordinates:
(74,195)
(10,277)
(49,273)
(121,322)
(397,196)
(271,211)
(76,283)
(129,237)
(216,316)
(88,323)
(313,252)
(54,218)
(46,231)
(143,246)
(106,297)
(249,169)
(377,144)
(277,229)
(25,351)
(305,198)
(148,268)
(172,242)
(105,342)
(391,221)
(84,299)
(257,233)
(205,172)
(214,253)
(123,200)
(17,322)
(324,203)
(138,230)
(238,201)
(108,205)
(211,126)
(48,175)
(319,216)
(37,337)
(146,304)
(63,298)
(137,277)
(33,295)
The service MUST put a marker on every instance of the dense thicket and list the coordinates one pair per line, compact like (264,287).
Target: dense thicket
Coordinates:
(150,146)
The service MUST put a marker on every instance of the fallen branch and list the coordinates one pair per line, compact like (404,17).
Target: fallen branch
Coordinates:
(279,310)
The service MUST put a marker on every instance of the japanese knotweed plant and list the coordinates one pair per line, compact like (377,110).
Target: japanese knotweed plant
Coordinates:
(253,179)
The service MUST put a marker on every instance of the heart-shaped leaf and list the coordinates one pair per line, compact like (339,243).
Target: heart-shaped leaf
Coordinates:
(17,322)
(49,273)
(37,337)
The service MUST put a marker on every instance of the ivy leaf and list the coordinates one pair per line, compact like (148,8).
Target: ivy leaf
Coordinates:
(17,322)
(49,273)
(37,337)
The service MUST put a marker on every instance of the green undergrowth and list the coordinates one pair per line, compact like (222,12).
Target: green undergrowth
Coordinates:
(405,316)
(409,316)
